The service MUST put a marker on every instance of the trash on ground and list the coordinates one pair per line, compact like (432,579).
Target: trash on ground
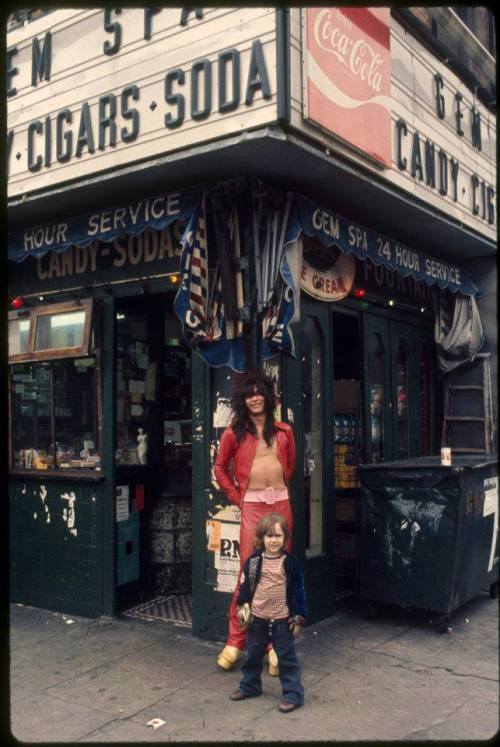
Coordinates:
(155,723)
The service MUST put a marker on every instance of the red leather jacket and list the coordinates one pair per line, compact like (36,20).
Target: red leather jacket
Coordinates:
(234,482)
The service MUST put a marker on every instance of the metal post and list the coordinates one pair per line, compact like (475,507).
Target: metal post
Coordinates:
(253,341)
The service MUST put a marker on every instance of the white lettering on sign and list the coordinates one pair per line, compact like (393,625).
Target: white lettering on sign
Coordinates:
(491,507)
(442,271)
(111,220)
(358,238)
(407,258)
(358,56)
(325,222)
(38,237)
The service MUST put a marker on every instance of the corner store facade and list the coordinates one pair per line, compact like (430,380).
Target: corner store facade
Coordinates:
(127,136)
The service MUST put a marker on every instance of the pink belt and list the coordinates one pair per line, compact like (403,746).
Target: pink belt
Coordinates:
(266,495)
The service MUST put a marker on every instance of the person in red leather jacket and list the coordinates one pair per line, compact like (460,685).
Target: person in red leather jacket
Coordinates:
(253,467)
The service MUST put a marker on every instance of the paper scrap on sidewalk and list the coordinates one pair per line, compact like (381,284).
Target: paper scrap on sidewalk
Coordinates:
(155,723)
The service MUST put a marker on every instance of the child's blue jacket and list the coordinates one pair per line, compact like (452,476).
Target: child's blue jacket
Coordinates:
(295,592)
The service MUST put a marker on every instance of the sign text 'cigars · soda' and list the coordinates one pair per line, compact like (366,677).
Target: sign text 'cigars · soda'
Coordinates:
(347,82)
(226,80)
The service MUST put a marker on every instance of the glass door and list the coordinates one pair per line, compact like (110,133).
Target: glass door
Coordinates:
(399,399)
(404,388)
(378,389)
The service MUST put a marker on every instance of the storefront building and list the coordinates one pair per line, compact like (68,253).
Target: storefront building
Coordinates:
(198,192)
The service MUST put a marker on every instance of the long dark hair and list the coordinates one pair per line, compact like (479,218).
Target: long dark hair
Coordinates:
(255,382)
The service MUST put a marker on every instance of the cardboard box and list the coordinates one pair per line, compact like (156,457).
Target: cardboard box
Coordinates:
(346,396)
(345,509)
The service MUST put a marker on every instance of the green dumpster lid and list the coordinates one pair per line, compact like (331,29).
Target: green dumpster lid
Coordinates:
(460,461)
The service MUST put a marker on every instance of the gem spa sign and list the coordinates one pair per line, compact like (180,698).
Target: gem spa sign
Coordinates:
(85,85)
(347,76)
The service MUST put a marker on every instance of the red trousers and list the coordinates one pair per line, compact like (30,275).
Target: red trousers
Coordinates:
(250,515)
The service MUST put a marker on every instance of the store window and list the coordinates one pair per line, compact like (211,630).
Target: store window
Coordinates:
(19,336)
(153,394)
(135,388)
(63,330)
(53,389)
(59,330)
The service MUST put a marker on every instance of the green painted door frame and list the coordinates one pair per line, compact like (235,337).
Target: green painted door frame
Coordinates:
(107,510)
(319,570)
(387,334)
(202,599)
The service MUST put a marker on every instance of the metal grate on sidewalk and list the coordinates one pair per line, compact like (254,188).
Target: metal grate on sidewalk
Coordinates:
(175,608)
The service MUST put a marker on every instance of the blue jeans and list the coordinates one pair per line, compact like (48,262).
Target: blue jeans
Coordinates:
(260,633)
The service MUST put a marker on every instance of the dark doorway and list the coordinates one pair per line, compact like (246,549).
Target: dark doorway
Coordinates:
(347,447)
(153,452)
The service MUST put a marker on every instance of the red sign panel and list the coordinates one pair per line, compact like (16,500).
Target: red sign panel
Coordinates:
(139,497)
(348,76)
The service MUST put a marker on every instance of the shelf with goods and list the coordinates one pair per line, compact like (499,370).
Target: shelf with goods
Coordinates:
(347,446)
(136,384)
(53,411)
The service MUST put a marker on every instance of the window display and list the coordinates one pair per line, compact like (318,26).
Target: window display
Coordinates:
(135,388)
(176,403)
(53,394)
(54,415)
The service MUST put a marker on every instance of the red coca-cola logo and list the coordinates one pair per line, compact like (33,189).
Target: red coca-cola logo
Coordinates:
(355,54)
(347,63)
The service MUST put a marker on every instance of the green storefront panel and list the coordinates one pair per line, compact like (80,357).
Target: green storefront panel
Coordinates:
(56,544)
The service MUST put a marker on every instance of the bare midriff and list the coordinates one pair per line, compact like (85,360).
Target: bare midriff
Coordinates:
(266,471)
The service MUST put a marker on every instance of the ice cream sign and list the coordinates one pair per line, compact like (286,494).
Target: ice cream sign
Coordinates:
(347,76)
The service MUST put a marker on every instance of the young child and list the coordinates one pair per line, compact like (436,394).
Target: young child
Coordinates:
(272,582)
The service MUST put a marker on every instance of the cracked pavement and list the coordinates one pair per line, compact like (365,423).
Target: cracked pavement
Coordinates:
(391,678)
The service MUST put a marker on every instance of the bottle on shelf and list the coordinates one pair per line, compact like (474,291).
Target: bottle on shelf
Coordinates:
(344,429)
(337,428)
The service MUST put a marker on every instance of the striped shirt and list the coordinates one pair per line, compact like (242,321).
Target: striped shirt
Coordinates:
(269,600)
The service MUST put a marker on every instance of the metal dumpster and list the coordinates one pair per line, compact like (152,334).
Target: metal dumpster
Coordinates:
(428,533)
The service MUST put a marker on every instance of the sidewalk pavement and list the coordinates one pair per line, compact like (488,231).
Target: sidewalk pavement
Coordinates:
(392,678)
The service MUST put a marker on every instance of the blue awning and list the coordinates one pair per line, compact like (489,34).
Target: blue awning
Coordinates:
(330,229)
(104,225)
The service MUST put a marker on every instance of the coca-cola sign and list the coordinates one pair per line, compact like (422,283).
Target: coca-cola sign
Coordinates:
(347,76)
